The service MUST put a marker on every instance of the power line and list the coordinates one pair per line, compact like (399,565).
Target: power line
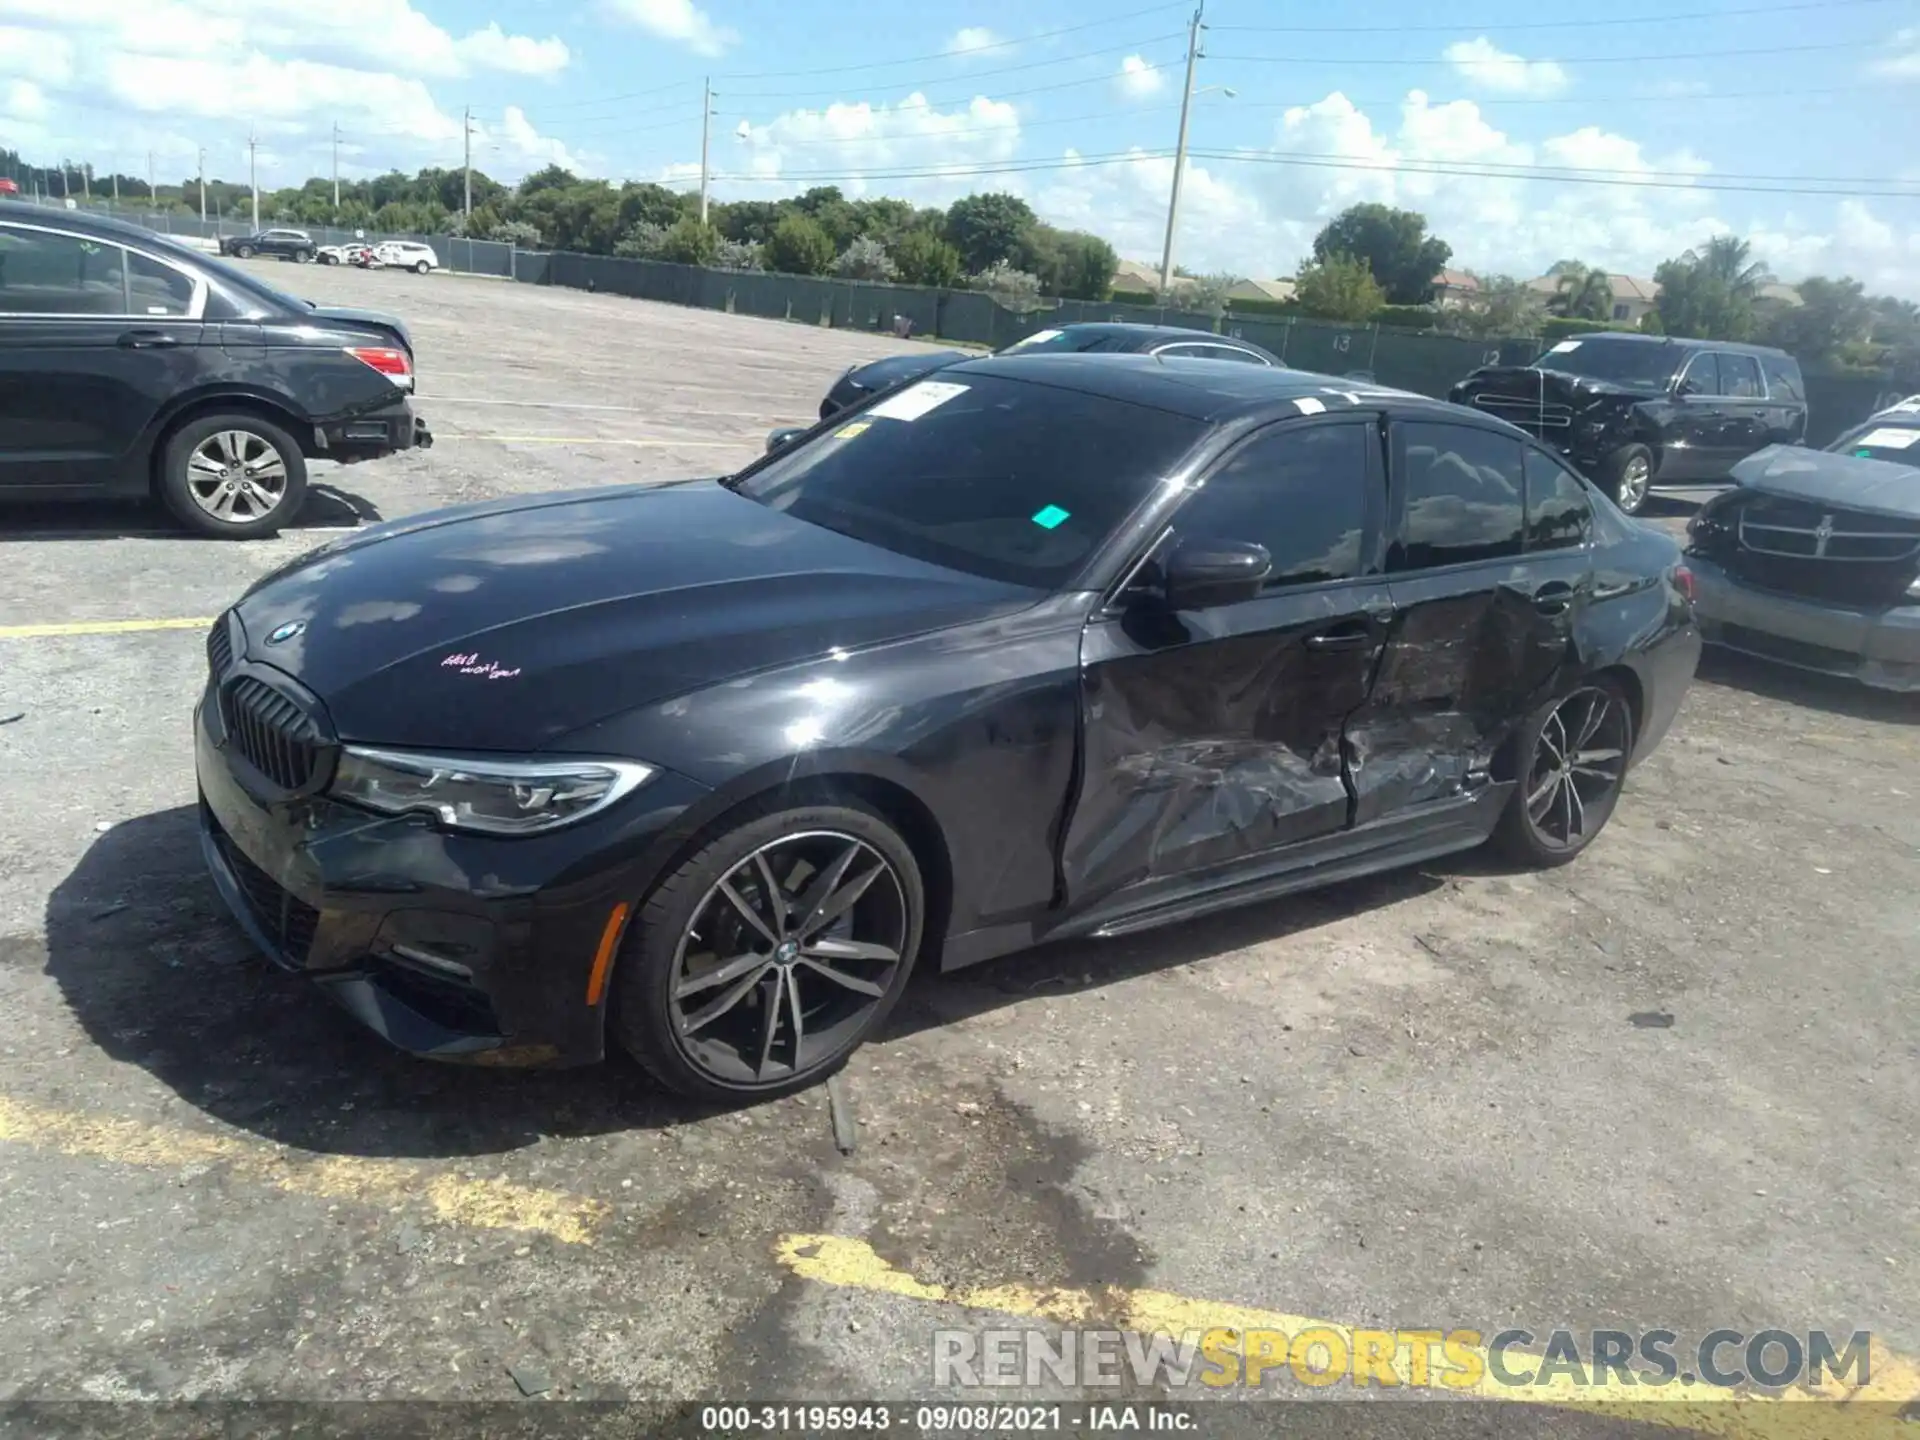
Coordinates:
(1791,184)
(958,54)
(1572,60)
(1464,26)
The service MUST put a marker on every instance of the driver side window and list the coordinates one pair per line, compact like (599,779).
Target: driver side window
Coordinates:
(1702,375)
(1301,491)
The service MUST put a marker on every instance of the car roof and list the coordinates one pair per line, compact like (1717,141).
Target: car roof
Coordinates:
(1681,342)
(1210,390)
(87,220)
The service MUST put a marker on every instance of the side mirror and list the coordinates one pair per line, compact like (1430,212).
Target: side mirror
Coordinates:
(1202,573)
(1683,388)
(784,436)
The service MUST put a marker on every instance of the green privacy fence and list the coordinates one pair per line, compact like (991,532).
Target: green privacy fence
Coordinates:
(1425,363)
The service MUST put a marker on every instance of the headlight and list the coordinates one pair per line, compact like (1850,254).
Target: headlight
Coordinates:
(493,797)
(1913,590)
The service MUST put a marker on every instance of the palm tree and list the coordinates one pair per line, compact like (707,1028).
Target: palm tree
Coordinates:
(1729,259)
(1584,293)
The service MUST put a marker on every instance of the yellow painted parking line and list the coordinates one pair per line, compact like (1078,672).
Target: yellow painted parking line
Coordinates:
(378,1184)
(102,627)
(1834,1413)
(602,440)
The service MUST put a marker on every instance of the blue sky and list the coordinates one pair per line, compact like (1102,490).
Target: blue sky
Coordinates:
(1455,112)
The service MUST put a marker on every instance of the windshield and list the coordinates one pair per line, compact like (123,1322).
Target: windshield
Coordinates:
(1071,341)
(1635,363)
(1008,479)
(1897,443)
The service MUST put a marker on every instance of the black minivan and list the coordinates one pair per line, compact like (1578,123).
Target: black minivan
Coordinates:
(134,366)
(1638,413)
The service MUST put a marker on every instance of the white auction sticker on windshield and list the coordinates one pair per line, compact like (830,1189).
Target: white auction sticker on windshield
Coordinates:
(1565,347)
(1887,439)
(1039,337)
(916,400)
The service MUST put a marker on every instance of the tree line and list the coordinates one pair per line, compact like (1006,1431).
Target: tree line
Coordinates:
(1370,263)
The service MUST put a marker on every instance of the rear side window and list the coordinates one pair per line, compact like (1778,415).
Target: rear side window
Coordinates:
(1299,491)
(1558,516)
(1740,377)
(1783,378)
(45,274)
(1702,375)
(1462,491)
(156,289)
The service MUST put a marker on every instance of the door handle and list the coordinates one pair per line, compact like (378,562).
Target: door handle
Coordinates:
(148,340)
(1341,640)
(1553,597)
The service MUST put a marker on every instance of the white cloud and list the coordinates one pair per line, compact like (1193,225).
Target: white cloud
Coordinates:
(23,101)
(493,49)
(1138,79)
(1904,63)
(1492,68)
(516,136)
(679,20)
(973,39)
(846,138)
(36,54)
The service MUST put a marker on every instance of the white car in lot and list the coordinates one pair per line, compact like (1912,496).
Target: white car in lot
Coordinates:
(406,255)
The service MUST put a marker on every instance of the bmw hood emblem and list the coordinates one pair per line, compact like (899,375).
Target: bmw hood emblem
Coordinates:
(280,634)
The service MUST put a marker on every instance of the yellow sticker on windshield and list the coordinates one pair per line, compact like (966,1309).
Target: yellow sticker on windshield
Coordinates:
(847,432)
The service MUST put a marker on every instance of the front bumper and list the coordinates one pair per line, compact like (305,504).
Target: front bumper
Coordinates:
(373,433)
(451,947)
(1877,647)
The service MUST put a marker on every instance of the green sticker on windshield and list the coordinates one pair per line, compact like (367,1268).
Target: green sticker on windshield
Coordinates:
(1863,454)
(1050,517)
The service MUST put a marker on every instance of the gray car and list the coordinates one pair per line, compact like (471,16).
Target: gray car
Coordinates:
(1813,558)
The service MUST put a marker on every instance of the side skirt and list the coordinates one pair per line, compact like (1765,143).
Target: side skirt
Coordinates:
(1389,843)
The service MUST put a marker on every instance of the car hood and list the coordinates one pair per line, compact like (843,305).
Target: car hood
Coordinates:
(897,369)
(504,626)
(1546,385)
(1883,487)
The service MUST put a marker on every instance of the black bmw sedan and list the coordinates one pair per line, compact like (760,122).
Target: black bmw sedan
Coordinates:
(1048,646)
(863,382)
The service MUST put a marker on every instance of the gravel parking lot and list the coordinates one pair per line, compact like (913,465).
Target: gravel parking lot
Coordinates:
(1674,1084)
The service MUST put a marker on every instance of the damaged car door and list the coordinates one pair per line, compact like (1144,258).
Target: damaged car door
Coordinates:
(1214,732)
(1490,567)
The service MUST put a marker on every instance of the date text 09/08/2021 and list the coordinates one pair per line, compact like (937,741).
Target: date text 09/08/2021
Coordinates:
(921,1419)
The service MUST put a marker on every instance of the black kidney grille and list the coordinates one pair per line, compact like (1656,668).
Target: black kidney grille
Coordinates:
(277,737)
(219,647)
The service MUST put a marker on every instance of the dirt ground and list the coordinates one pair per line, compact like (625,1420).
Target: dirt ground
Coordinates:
(1674,1084)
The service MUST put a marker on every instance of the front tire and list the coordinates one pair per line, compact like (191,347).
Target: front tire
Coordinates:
(1573,763)
(243,252)
(1627,477)
(421,268)
(767,957)
(233,476)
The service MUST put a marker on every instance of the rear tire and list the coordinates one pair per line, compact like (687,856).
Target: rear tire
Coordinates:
(233,476)
(744,904)
(1627,477)
(1573,757)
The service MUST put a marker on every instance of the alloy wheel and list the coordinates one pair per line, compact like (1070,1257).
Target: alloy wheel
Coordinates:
(237,476)
(1578,766)
(787,957)
(1635,480)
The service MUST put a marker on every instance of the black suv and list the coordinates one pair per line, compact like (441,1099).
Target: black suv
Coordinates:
(1638,413)
(287,244)
(131,365)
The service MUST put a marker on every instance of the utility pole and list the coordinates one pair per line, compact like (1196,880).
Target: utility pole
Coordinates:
(86,180)
(153,191)
(466,127)
(253,177)
(706,126)
(203,184)
(116,187)
(336,169)
(1180,150)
